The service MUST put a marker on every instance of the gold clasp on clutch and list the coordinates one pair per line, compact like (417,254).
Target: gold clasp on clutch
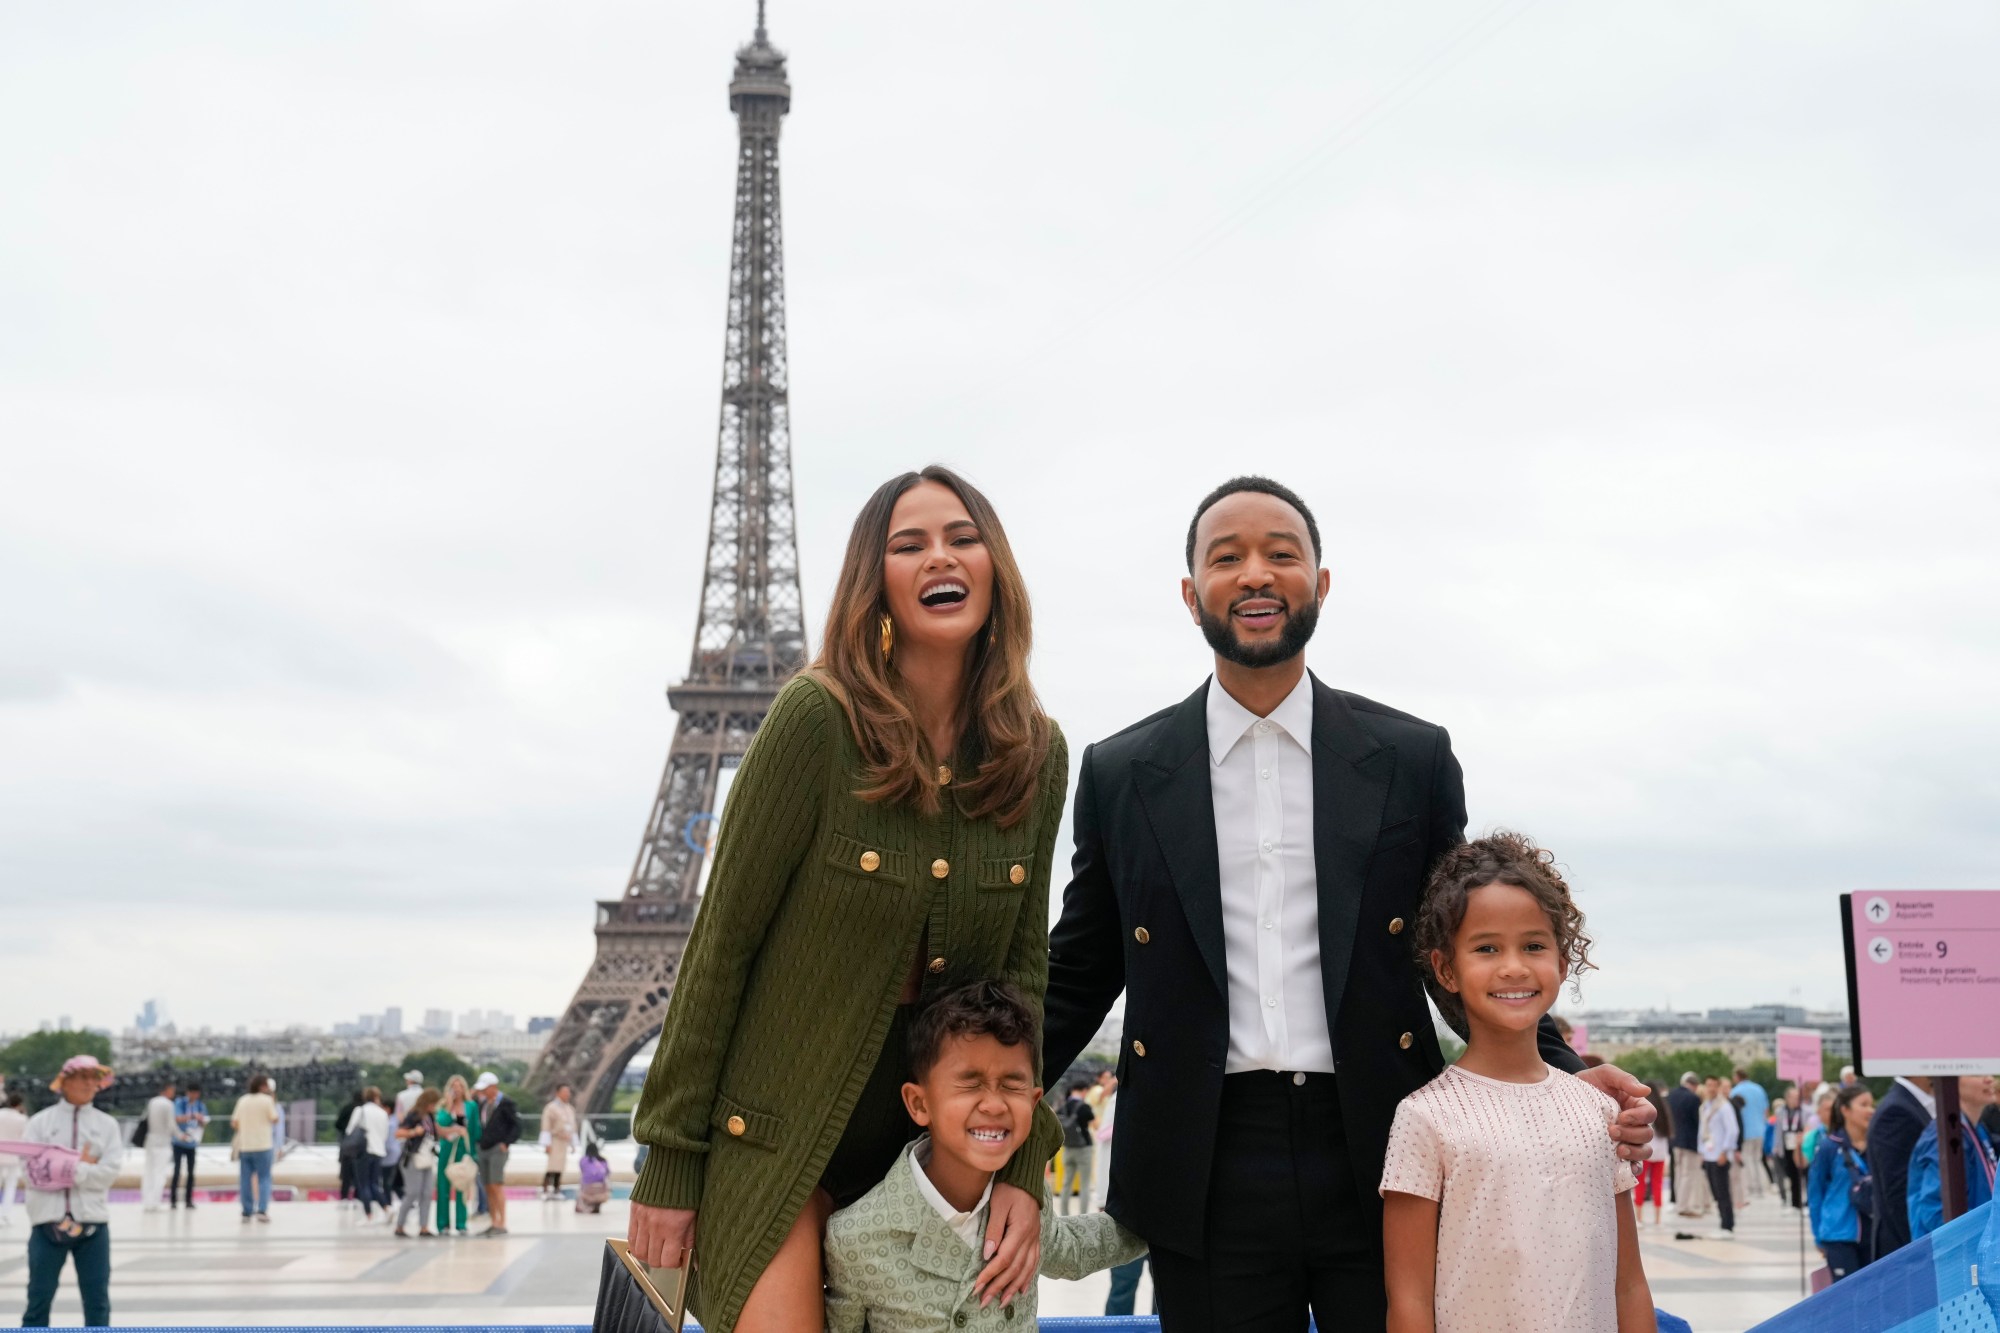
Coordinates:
(673,1308)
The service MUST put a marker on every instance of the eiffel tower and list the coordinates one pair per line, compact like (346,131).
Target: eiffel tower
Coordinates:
(749,639)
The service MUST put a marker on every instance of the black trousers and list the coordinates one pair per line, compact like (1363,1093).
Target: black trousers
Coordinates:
(183,1154)
(1790,1176)
(1718,1185)
(1286,1227)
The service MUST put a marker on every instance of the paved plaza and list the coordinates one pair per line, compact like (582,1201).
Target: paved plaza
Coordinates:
(315,1263)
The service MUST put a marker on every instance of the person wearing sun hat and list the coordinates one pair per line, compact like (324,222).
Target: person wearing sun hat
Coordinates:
(72,1222)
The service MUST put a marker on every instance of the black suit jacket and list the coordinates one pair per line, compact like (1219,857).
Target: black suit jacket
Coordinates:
(1388,800)
(1899,1122)
(1685,1103)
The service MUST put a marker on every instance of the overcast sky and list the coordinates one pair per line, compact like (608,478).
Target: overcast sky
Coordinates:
(358,388)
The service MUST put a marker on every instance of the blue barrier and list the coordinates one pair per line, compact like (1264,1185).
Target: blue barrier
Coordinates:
(1122,1324)
(1931,1285)
(1053,1324)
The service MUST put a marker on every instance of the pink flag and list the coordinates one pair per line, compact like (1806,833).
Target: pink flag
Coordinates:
(47,1166)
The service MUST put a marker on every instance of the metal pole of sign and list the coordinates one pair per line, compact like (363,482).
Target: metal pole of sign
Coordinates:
(1951,1147)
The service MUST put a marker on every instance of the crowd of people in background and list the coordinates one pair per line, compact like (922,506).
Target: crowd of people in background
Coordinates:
(1867,1176)
(441,1155)
(431,1153)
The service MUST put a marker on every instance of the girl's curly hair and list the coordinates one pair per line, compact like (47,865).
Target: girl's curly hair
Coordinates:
(1499,858)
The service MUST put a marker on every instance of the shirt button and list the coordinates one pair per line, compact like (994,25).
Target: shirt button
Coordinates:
(944,776)
(1139,1049)
(1017,875)
(1298,1080)
(1267,846)
(937,968)
(958,1319)
(940,868)
(1265,774)
(736,1125)
(1267,925)
(1396,926)
(1263,727)
(871,861)
(1143,935)
(1405,1040)
(1270,1002)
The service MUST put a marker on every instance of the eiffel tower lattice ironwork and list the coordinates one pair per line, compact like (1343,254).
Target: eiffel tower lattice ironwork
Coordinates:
(749,639)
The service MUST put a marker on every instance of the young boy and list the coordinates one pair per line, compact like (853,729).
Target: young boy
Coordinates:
(903,1258)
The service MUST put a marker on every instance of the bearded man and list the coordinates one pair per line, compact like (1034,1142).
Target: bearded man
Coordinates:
(1247,866)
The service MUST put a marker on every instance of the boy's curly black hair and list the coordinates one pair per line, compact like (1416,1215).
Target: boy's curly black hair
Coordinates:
(994,1009)
(1501,857)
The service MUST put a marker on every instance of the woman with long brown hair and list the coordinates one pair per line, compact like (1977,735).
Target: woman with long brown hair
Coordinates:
(889,836)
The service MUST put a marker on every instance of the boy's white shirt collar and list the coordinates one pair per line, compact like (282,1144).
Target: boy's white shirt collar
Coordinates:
(968,1227)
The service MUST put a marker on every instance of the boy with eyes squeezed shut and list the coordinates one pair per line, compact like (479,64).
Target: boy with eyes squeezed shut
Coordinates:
(903,1258)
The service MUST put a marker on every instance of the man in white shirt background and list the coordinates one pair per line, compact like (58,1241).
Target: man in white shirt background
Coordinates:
(159,1146)
(413,1088)
(1721,1133)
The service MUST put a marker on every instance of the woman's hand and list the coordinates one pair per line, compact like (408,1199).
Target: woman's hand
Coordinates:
(660,1236)
(1013,1246)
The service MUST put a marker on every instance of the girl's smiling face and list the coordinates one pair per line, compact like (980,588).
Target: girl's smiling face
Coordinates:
(1505,962)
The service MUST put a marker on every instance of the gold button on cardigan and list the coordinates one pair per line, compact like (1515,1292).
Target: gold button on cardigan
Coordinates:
(815,906)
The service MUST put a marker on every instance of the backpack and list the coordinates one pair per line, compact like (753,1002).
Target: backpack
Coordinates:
(1076,1118)
(139,1134)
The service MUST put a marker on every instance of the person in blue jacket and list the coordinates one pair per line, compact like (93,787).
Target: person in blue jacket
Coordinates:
(1843,1233)
(1926,1199)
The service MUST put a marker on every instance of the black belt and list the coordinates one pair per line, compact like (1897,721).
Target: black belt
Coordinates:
(1276,1080)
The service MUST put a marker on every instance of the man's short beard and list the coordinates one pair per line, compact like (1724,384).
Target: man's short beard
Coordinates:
(1300,622)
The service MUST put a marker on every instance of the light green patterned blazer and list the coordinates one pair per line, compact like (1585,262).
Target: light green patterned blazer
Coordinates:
(894,1266)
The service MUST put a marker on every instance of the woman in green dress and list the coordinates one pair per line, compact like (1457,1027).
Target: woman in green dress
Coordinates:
(889,836)
(458,1139)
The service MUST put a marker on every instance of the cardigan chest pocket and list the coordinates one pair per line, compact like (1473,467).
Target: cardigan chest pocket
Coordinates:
(1006,872)
(736,1121)
(867,861)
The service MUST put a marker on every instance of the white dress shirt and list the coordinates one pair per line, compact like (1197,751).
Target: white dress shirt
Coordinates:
(1263,792)
(1720,1135)
(1924,1099)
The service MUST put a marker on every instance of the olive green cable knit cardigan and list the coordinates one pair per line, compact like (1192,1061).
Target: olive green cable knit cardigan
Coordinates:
(817,903)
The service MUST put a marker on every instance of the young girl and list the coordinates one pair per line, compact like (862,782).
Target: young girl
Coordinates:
(1502,1205)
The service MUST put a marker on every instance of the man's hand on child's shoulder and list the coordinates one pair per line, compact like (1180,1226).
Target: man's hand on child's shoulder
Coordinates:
(1632,1127)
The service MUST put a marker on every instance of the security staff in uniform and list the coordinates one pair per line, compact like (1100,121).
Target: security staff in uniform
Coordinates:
(1246,867)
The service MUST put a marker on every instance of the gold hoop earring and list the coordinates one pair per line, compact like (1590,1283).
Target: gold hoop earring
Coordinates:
(888,636)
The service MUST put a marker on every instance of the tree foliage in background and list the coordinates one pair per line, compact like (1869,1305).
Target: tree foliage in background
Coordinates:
(1666,1067)
(28,1065)
(437,1066)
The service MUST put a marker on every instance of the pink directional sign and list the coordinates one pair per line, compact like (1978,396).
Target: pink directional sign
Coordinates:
(1798,1057)
(1924,979)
